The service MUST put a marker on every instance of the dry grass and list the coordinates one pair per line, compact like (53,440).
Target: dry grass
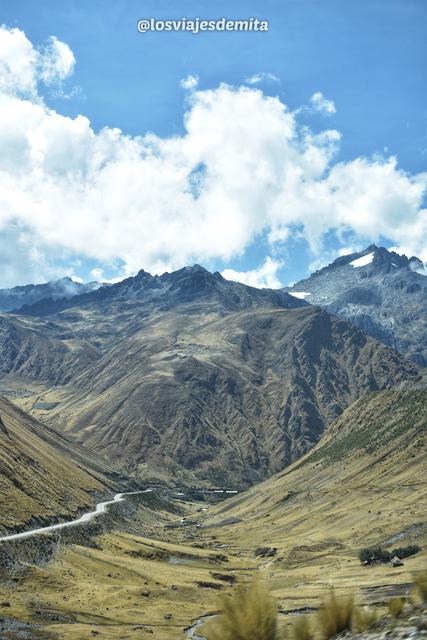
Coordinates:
(250,613)
(121,589)
(335,615)
(396,606)
(301,629)
(364,619)
(420,583)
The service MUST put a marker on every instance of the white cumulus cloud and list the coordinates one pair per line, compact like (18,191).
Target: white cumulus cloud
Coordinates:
(321,104)
(190,82)
(18,62)
(57,61)
(22,65)
(263,277)
(242,167)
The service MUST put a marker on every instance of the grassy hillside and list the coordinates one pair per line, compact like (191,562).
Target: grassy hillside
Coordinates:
(363,485)
(42,475)
(369,467)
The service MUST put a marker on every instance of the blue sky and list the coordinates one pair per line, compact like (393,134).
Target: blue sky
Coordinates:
(367,56)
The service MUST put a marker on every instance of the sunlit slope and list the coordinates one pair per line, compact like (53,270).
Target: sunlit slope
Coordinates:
(42,475)
(363,484)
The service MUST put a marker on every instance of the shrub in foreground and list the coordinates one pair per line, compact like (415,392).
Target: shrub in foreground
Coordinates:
(420,583)
(364,619)
(301,629)
(250,613)
(335,615)
(395,607)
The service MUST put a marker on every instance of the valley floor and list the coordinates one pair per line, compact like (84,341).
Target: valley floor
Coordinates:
(161,565)
(127,586)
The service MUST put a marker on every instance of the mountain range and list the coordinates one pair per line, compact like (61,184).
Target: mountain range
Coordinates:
(191,377)
(189,382)
(379,291)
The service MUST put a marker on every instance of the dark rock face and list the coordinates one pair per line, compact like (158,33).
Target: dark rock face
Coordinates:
(17,297)
(379,291)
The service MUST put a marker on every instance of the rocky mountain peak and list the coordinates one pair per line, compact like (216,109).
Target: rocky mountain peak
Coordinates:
(143,275)
(373,259)
(193,277)
(380,291)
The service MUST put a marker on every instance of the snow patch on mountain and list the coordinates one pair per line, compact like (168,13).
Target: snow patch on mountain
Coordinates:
(363,261)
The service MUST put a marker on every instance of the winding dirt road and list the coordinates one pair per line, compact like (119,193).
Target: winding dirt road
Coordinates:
(100,508)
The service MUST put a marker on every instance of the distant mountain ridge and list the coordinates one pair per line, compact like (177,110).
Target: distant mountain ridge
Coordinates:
(185,285)
(379,291)
(15,298)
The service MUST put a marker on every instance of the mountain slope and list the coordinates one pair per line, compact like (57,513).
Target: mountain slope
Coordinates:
(363,484)
(43,475)
(191,377)
(42,350)
(230,398)
(379,291)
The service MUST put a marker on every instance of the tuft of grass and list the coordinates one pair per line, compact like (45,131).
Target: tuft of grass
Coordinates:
(395,607)
(301,629)
(420,583)
(364,619)
(250,613)
(335,615)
